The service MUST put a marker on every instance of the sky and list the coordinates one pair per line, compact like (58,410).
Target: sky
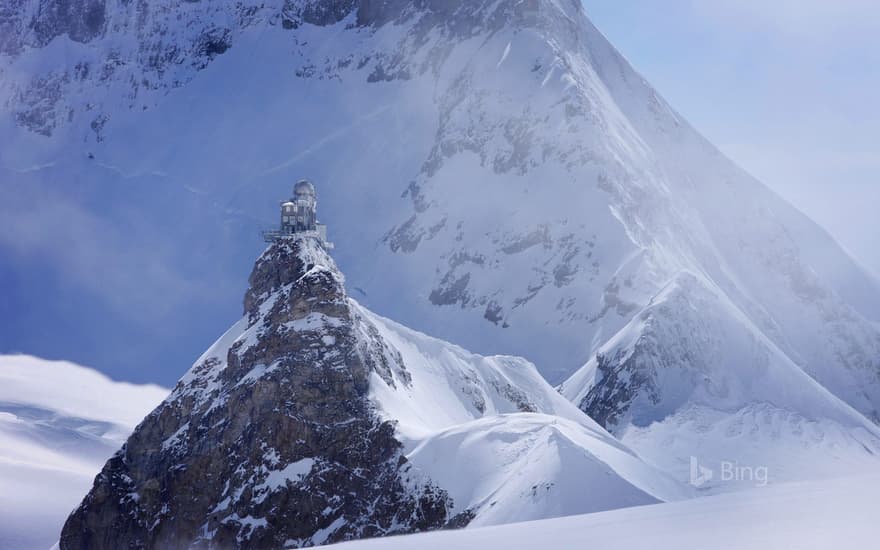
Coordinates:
(787,88)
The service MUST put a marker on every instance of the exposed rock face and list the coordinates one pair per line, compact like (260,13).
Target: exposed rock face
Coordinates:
(622,381)
(270,440)
(81,20)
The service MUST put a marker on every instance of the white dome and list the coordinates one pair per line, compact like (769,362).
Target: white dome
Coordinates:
(303,188)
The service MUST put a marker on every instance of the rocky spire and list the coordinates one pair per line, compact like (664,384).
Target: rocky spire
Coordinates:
(269,441)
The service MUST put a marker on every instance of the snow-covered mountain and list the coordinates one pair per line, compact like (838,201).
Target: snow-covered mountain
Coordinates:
(494,173)
(503,443)
(59,422)
(313,420)
(691,378)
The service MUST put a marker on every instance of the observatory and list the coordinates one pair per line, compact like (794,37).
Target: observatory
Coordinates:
(299,216)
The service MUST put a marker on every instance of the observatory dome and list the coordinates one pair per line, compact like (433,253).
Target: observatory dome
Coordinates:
(303,189)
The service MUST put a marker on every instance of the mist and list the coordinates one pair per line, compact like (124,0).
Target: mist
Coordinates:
(785,89)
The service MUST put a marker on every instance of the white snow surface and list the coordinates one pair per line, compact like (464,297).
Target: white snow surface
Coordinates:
(720,391)
(451,385)
(59,423)
(294,470)
(526,466)
(504,443)
(815,515)
(489,430)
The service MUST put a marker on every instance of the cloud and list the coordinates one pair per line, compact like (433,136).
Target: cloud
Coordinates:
(87,251)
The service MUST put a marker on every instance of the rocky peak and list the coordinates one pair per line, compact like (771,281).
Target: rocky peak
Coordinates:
(270,441)
(302,262)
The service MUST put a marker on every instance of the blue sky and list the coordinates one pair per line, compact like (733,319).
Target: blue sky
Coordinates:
(787,88)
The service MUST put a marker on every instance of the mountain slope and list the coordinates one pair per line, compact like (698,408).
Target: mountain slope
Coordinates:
(308,422)
(518,183)
(691,378)
(58,423)
(503,443)
(808,516)
(528,466)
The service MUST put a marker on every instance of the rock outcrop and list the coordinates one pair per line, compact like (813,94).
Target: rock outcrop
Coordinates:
(270,441)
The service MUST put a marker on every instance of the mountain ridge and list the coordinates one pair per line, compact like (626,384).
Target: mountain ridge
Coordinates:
(302,425)
(494,173)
